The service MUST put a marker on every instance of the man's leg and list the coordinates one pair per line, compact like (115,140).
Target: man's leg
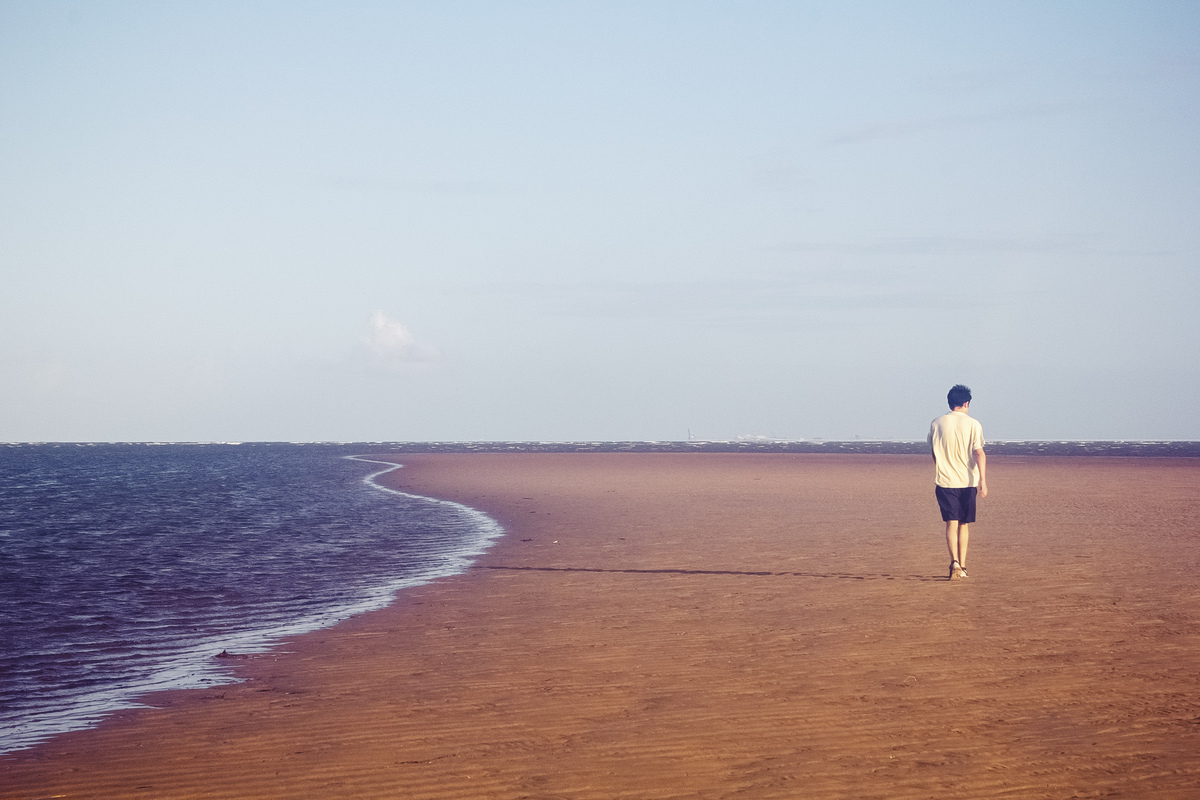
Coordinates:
(964,534)
(952,527)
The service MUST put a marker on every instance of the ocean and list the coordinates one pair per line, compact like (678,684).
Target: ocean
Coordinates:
(125,568)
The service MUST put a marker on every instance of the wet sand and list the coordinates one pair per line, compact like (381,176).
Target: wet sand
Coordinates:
(719,625)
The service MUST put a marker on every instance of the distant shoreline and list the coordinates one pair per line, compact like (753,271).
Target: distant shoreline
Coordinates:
(1142,449)
(1126,448)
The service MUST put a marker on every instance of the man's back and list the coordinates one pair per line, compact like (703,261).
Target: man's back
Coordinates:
(954,438)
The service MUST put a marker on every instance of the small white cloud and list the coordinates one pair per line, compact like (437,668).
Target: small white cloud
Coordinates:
(392,344)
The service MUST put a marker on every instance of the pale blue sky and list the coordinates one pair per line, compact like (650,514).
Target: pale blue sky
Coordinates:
(447,220)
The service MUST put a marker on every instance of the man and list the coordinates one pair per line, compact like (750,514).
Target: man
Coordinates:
(960,473)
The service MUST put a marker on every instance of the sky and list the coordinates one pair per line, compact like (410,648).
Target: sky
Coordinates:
(553,221)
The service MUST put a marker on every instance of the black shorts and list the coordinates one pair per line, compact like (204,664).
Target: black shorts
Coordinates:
(957,504)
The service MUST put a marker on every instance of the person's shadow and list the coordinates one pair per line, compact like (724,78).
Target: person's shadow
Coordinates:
(862,576)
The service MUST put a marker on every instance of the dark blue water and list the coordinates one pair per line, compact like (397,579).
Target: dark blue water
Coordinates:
(127,568)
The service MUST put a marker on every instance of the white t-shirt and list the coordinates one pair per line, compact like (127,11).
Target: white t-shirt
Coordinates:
(954,438)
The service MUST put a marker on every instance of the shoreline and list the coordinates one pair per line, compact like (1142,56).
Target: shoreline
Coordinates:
(671,625)
(194,668)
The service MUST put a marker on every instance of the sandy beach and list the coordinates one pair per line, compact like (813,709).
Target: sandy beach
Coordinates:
(721,625)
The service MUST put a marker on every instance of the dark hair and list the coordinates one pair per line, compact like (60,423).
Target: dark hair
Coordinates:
(958,396)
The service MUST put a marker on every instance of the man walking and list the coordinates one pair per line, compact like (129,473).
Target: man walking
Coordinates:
(960,473)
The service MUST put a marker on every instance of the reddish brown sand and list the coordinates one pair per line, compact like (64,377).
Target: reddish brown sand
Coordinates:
(704,626)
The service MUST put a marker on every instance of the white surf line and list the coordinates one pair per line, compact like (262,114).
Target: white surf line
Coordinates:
(490,528)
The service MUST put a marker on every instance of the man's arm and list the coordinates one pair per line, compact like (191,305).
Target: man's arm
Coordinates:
(981,460)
